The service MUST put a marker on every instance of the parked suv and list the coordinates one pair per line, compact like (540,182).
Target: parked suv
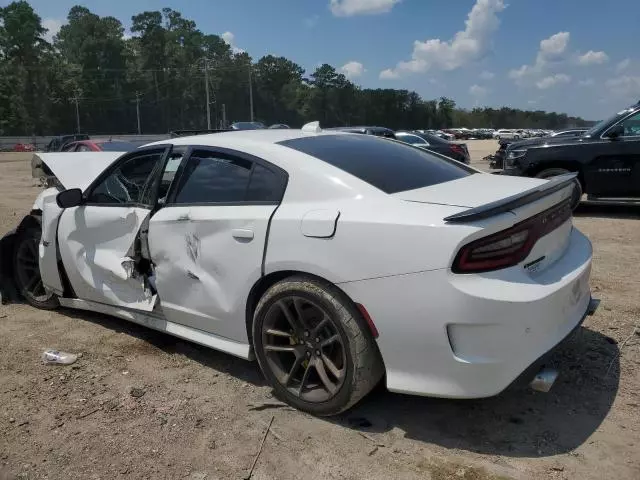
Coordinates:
(606,158)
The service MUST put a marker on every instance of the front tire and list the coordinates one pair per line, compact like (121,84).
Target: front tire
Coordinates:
(576,196)
(314,347)
(26,268)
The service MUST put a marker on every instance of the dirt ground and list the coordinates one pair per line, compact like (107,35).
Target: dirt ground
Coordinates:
(195,413)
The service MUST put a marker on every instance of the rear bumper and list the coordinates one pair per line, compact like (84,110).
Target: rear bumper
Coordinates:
(471,336)
(525,377)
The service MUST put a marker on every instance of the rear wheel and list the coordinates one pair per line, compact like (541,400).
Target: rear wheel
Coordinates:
(26,268)
(554,172)
(314,347)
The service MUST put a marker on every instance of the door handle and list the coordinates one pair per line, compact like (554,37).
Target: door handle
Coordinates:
(242,233)
(183,218)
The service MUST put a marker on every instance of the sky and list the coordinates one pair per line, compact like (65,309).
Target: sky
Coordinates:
(580,57)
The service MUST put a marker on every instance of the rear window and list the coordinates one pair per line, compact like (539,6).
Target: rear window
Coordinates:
(386,164)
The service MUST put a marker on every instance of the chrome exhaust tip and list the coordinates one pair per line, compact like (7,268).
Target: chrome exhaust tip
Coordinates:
(544,380)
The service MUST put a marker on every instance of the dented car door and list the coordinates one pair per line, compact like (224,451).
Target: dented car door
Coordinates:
(98,240)
(208,239)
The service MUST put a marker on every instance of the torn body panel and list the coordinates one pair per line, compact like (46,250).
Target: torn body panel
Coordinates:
(98,249)
(206,260)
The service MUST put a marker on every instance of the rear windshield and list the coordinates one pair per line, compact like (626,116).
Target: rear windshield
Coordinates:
(388,165)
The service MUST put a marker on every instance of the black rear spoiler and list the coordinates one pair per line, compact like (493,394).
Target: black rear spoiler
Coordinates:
(504,205)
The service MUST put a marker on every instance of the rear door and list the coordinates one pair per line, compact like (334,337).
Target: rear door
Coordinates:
(97,239)
(207,241)
(614,170)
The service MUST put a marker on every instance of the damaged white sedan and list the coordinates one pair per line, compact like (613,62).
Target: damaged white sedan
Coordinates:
(334,259)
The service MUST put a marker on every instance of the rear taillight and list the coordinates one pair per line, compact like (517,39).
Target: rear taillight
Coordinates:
(457,149)
(509,247)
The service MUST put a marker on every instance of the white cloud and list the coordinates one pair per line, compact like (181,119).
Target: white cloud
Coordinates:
(352,69)
(553,48)
(53,27)
(477,91)
(551,52)
(487,75)
(588,82)
(623,65)
(592,58)
(625,86)
(552,81)
(229,39)
(348,8)
(466,46)
(388,74)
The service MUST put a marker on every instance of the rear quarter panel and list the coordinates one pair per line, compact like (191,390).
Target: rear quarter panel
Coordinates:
(371,239)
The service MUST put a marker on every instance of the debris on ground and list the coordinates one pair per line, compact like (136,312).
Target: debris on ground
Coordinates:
(56,357)
(255,460)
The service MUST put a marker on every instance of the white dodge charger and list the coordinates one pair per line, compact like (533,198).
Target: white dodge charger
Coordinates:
(334,259)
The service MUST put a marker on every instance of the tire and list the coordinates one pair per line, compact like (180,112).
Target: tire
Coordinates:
(26,270)
(319,313)
(576,196)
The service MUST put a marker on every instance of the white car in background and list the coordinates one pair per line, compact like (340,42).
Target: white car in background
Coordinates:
(506,134)
(334,259)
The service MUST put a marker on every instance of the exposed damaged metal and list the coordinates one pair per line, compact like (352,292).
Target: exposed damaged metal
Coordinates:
(193,246)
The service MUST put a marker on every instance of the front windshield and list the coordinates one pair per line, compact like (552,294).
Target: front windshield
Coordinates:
(602,123)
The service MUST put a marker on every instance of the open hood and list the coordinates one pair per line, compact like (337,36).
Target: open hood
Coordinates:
(72,169)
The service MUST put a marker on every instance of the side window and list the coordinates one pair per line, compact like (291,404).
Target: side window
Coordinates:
(213,178)
(412,139)
(632,126)
(126,184)
(265,186)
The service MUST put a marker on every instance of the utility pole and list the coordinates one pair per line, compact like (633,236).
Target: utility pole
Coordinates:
(138,110)
(224,116)
(206,86)
(75,99)
(250,94)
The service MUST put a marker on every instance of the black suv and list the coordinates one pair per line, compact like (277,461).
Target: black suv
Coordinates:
(606,158)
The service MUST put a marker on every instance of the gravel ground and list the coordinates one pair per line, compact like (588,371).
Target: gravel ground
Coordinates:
(141,404)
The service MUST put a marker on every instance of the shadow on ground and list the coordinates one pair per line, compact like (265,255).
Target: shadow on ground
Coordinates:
(207,357)
(595,210)
(518,422)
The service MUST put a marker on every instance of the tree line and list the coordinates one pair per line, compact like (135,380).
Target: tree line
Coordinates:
(91,74)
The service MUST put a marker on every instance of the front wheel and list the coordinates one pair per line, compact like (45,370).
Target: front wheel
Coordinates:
(314,347)
(26,269)
(576,196)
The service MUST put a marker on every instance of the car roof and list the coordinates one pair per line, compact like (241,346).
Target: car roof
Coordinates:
(237,137)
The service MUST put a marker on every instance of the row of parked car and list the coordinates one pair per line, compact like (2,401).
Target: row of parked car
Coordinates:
(605,157)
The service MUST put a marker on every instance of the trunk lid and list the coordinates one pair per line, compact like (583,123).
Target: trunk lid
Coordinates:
(471,191)
(494,203)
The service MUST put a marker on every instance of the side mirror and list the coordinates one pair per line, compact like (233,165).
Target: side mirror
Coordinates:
(615,132)
(69,198)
